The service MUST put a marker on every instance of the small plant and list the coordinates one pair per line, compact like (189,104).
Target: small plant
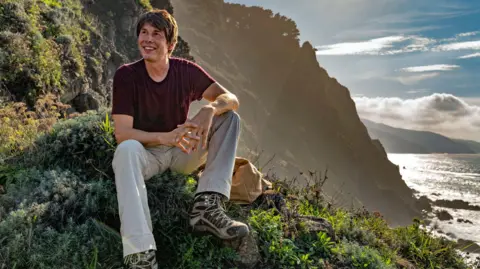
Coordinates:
(145,4)
(20,127)
(352,255)
(323,246)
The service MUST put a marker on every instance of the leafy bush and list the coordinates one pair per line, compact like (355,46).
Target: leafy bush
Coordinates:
(353,255)
(82,144)
(44,43)
(19,127)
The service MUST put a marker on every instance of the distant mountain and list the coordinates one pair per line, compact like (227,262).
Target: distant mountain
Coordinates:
(398,140)
(475,146)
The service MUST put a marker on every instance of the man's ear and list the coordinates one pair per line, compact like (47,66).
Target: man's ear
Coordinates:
(171,47)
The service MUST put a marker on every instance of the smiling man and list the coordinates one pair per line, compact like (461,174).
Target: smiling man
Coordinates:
(151,99)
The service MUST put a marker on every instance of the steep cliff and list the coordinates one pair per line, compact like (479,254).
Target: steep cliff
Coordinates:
(291,107)
(69,48)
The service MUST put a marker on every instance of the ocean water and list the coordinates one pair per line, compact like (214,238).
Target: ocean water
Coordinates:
(446,177)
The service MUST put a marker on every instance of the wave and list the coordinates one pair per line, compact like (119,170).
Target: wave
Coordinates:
(449,173)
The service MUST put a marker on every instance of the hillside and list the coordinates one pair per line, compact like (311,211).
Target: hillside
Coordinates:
(473,145)
(58,206)
(291,108)
(398,140)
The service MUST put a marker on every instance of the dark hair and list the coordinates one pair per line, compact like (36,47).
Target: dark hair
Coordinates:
(162,20)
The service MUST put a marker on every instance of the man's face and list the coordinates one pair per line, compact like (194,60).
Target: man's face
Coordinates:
(152,43)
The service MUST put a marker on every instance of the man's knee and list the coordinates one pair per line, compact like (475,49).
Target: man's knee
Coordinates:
(125,149)
(232,115)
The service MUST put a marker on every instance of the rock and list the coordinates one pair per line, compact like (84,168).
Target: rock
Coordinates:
(456,204)
(468,246)
(443,215)
(402,263)
(84,102)
(464,220)
(313,225)
(247,249)
(423,203)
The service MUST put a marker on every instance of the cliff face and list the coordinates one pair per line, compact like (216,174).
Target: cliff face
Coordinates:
(290,106)
(69,48)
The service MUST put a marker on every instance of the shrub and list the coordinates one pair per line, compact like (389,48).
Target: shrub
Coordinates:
(20,127)
(353,255)
(44,43)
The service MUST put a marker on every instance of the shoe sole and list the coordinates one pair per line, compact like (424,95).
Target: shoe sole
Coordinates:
(203,228)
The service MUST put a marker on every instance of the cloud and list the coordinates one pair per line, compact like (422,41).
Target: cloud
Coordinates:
(396,44)
(468,34)
(414,91)
(435,67)
(468,45)
(441,113)
(377,46)
(414,79)
(473,55)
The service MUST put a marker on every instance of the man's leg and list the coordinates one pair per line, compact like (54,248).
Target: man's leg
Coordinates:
(133,164)
(216,180)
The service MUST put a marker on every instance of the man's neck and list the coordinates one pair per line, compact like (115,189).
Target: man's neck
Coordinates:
(158,70)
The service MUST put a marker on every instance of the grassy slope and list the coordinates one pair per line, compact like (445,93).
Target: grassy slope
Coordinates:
(60,211)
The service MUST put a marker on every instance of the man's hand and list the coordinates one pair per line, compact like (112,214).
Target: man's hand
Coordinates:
(177,137)
(203,120)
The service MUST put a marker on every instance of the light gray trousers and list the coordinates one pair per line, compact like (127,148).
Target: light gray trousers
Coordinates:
(133,164)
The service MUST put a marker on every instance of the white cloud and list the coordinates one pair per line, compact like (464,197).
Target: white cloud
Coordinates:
(413,91)
(468,45)
(435,67)
(396,44)
(473,55)
(414,79)
(379,46)
(442,113)
(373,46)
(468,34)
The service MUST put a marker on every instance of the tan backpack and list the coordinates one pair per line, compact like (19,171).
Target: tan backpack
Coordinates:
(247,182)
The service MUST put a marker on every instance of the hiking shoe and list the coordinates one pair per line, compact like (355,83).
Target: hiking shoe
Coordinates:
(142,260)
(208,214)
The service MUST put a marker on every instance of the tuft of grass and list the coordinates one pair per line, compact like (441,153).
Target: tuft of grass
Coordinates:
(145,4)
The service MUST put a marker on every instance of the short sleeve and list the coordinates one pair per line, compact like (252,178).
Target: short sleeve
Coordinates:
(123,92)
(200,80)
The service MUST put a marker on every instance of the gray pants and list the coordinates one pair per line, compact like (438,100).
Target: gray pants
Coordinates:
(133,163)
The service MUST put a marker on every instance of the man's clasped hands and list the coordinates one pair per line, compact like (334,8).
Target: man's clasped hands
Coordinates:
(193,134)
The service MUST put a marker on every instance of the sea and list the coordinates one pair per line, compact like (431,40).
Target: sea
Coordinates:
(446,177)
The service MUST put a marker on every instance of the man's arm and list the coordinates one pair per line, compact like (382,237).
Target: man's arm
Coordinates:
(124,130)
(221,99)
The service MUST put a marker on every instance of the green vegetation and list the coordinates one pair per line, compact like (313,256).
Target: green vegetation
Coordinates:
(145,4)
(60,211)
(44,43)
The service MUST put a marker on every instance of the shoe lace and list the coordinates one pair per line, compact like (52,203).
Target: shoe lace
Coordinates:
(138,261)
(216,212)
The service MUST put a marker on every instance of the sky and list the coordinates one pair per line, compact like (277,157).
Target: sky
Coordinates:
(409,64)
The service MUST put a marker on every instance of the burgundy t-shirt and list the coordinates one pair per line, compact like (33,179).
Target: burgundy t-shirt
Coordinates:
(158,106)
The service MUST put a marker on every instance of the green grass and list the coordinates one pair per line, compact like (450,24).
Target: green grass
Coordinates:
(45,44)
(60,211)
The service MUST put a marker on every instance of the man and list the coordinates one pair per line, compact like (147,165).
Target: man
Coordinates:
(151,98)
